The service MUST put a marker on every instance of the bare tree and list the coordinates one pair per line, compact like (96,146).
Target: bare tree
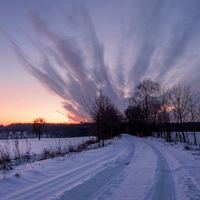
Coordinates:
(164,113)
(38,126)
(180,99)
(193,109)
(104,115)
(146,99)
(135,119)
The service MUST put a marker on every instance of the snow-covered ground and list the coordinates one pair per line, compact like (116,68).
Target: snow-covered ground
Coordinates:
(37,146)
(129,168)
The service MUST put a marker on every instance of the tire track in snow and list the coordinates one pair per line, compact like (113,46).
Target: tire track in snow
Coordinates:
(75,182)
(91,187)
(164,184)
(148,176)
(137,179)
(187,185)
(132,156)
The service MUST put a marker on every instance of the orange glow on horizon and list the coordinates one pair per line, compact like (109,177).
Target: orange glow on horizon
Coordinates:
(23,104)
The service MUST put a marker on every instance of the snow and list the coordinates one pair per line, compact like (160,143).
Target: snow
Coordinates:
(37,146)
(185,168)
(128,168)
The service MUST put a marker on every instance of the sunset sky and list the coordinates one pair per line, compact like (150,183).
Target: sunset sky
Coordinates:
(53,54)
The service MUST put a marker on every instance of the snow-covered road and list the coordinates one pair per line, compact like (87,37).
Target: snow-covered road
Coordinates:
(185,169)
(148,176)
(130,168)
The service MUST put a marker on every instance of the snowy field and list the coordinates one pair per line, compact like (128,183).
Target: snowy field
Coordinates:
(129,168)
(37,146)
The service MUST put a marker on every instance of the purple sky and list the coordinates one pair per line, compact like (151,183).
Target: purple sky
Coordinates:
(54,53)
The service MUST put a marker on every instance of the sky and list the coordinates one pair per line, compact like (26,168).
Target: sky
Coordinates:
(54,54)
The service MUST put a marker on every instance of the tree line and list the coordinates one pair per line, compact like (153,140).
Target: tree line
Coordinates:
(45,130)
(152,111)
(156,111)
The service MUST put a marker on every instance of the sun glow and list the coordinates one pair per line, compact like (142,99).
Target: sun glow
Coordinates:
(21,104)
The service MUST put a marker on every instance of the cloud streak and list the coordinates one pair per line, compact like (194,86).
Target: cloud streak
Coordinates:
(69,59)
(153,39)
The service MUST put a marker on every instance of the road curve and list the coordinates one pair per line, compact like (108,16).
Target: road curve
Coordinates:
(148,176)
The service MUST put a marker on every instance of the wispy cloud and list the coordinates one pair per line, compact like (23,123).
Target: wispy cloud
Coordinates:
(156,39)
(68,57)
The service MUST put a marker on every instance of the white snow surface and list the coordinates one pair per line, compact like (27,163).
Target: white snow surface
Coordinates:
(129,168)
(37,146)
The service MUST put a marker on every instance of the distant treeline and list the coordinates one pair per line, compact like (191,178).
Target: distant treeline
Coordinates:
(25,130)
(157,111)
(173,127)
(152,111)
